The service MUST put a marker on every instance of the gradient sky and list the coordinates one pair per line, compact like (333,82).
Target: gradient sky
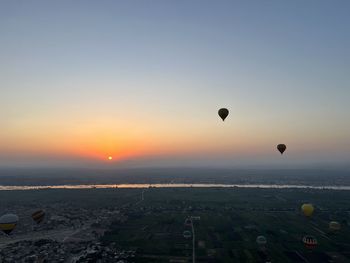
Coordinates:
(142,81)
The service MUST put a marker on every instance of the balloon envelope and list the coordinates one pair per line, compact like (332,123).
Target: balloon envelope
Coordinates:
(223,113)
(310,242)
(307,209)
(38,216)
(187,234)
(334,226)
(188,222)
(281,148)
(8,223)
(261,240)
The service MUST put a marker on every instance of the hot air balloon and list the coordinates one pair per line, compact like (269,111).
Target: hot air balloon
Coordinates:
(187,234)
(188,222)
(223,113)
(261,241)
(281,148)
(307,209)
(310,242)
(334,226)
(38,216)
(8,223)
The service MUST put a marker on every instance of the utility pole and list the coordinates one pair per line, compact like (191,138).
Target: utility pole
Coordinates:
(193,243)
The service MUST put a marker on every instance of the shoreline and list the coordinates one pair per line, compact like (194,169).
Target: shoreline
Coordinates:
(170,185)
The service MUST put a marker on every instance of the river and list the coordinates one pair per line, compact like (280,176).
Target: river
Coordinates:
(108,186)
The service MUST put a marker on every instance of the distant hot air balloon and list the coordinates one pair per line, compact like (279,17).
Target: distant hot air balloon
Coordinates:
(38,216)
(187,234)
(8,223)
(310,242)
(334,226)
(307,209)
(261,240)
(281,148)
(223,113)
(188,222)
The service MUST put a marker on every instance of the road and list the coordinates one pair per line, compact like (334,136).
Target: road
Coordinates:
(57,235)
(142,197)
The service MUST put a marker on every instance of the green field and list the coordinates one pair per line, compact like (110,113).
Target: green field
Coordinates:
(230,221)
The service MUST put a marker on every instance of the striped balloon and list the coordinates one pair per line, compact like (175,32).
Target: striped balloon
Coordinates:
(310,242)
(8,223)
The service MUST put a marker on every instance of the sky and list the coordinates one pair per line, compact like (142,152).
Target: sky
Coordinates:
(142,81)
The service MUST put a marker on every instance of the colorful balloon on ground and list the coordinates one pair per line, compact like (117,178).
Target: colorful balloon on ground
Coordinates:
(223,113)
(8,223)
(38,216)
(281,148)
(307,209)
(310,242)
(334,226)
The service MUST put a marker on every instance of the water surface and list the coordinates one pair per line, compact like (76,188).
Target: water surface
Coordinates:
(107,186)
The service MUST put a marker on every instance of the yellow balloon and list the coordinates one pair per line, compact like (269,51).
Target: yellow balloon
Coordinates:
(8,223)
(308,209)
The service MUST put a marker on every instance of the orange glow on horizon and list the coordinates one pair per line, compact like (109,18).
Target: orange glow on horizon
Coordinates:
(107,140)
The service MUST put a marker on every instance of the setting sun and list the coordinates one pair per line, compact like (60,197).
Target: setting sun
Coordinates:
(110,158)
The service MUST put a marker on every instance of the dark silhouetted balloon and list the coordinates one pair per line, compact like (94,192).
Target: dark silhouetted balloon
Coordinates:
(38,216)
(281,148)
(223,113)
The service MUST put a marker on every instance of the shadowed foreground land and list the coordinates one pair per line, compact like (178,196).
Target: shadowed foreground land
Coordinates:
(147,225)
